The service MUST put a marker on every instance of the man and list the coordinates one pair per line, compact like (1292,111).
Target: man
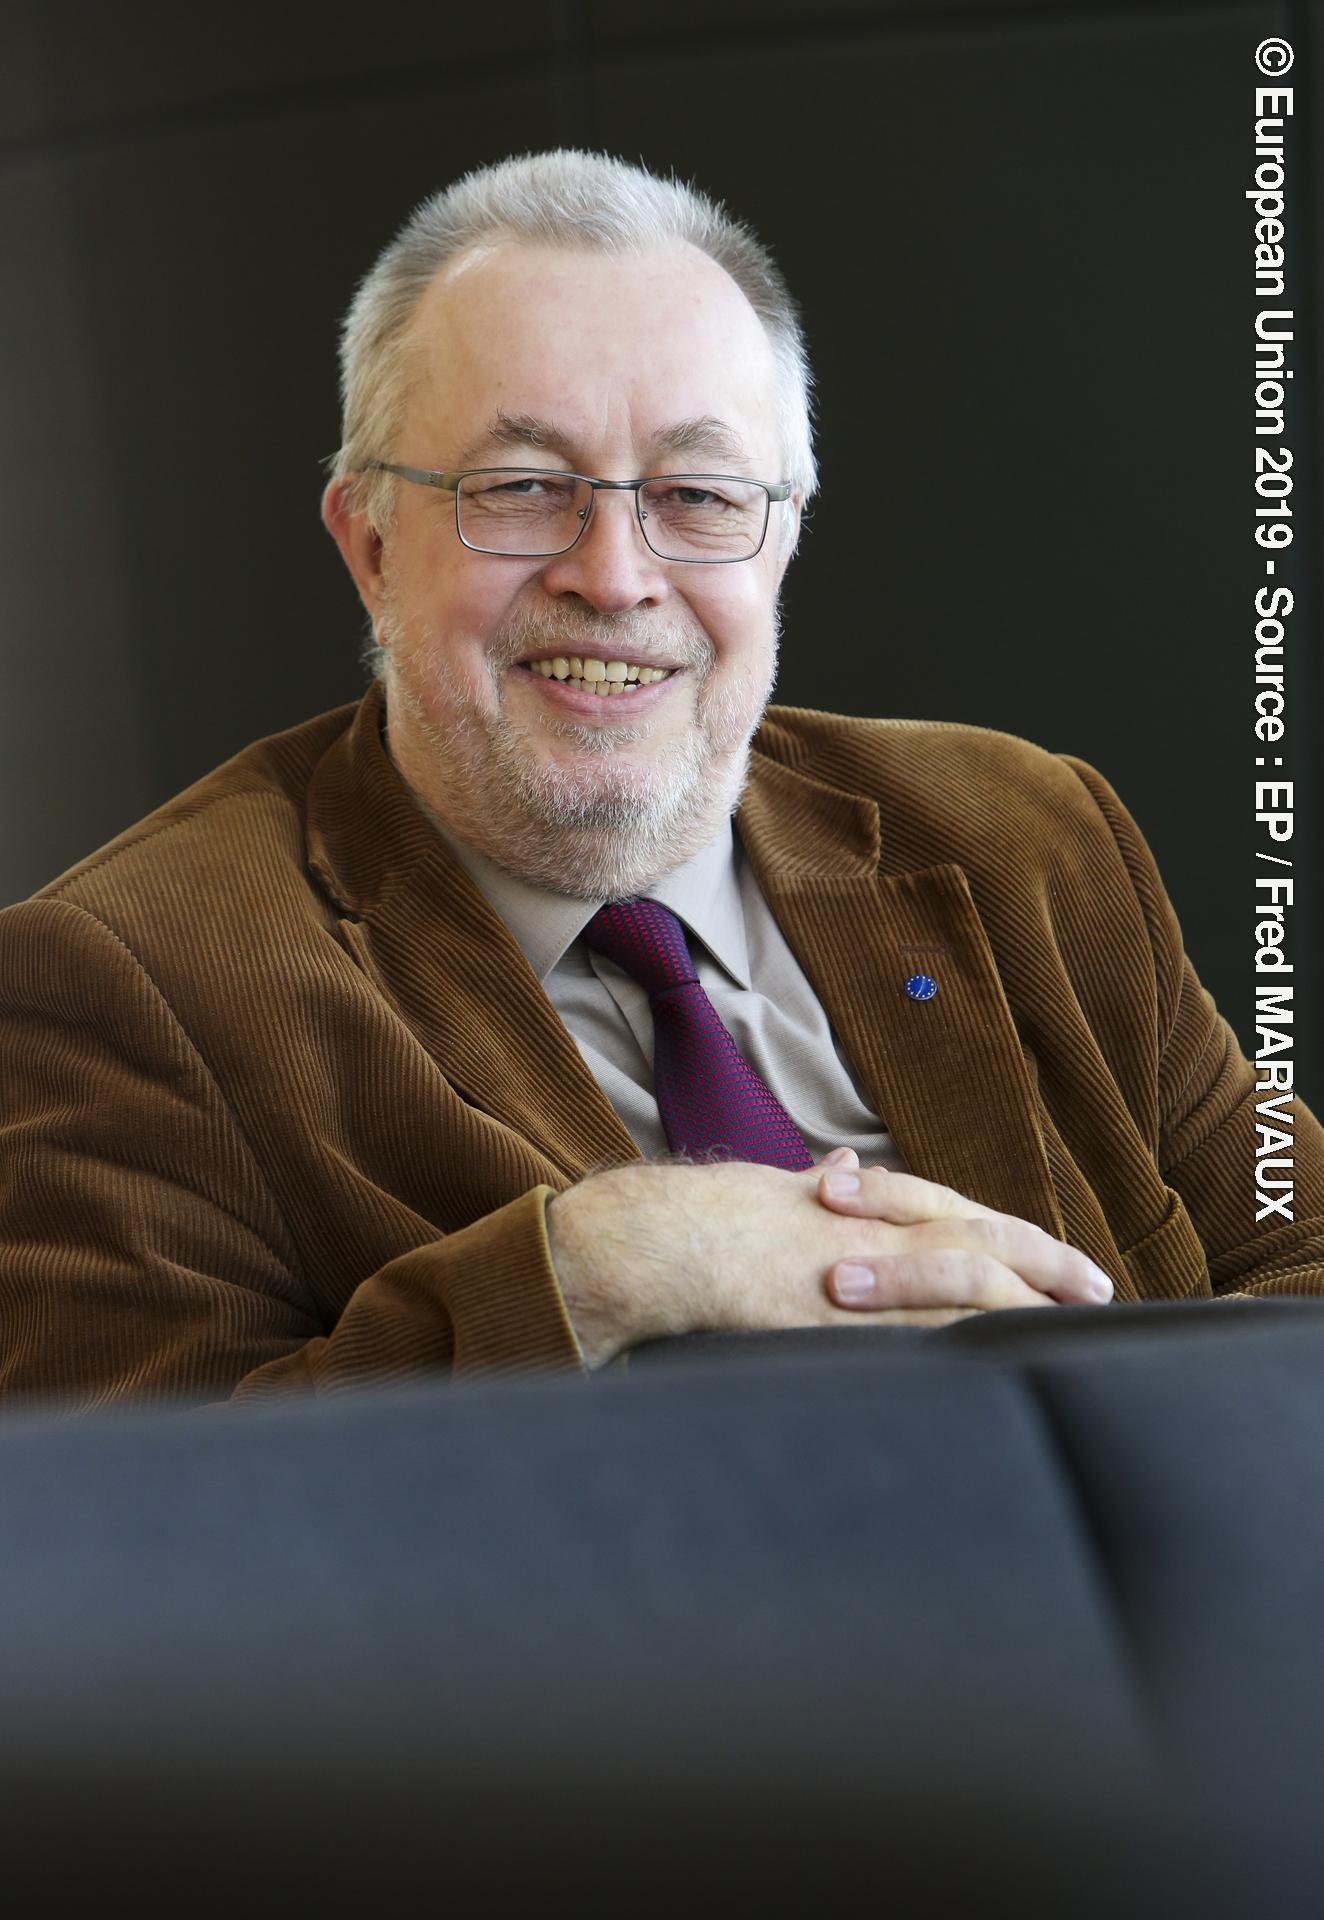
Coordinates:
(338,1069)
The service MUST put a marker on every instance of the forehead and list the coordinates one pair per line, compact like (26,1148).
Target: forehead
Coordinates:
(615,346)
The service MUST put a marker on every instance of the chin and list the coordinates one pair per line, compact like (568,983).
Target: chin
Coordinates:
(598,832)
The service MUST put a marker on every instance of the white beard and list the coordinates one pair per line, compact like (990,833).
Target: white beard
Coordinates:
(605,827)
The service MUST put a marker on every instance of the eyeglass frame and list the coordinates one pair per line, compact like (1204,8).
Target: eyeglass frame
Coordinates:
(450,483)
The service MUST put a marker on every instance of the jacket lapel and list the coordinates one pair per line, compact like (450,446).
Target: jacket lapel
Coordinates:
(423,932)
(947,1074)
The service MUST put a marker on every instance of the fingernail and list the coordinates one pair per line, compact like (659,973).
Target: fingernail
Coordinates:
(852,1282)
(841,1184)
(1101,1287)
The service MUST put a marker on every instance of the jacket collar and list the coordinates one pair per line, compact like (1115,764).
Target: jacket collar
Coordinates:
(947,1074)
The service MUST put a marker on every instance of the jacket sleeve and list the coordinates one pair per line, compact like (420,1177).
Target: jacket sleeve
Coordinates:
(1206,1116)
(142,1252)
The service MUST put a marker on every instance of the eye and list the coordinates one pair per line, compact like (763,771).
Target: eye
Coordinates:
(699,499)
(533,485)
(522,487)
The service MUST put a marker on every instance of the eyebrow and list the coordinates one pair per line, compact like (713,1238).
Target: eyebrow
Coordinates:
(703,437)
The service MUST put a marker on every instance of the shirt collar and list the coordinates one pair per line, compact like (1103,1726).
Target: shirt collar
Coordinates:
(704,892)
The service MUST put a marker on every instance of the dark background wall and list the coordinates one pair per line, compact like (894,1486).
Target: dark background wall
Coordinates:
(1024,256)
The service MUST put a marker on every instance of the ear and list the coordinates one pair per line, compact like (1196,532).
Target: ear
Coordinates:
(360,546)
(790,538)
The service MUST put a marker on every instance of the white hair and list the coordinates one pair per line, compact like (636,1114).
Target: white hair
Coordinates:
(569,199)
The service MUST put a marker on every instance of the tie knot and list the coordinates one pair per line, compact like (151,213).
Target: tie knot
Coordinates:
(645,939)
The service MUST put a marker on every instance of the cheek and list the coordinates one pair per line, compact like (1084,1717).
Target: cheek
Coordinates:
(465,608)
(740,626)
(732,608)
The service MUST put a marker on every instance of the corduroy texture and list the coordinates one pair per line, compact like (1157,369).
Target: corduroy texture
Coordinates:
(711,1100)
(281,1102)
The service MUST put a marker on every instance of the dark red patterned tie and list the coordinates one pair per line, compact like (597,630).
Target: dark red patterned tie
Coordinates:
(710,1098)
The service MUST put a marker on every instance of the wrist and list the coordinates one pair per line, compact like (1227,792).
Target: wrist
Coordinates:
(585,1261)
(613,1240)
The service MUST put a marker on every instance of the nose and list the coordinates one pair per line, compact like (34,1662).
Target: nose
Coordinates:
(611,565)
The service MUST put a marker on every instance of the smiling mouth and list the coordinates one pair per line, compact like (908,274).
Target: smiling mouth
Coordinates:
(584,674)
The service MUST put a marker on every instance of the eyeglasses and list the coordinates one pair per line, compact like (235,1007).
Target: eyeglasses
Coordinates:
(708,519)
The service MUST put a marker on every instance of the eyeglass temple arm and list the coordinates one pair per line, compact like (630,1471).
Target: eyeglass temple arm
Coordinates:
(424,476)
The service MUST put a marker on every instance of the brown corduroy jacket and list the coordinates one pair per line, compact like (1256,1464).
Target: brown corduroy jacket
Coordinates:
(281,1103)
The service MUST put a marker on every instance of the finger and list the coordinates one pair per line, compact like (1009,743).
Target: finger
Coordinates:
(1049,1265)
(937,1217)
(845,1157)
(881,1193)
(914,1316)
(942,1277)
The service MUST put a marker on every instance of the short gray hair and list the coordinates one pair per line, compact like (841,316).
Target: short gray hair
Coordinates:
(565,198)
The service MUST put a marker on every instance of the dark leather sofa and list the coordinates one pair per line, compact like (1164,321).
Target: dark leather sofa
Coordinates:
(1019,1615)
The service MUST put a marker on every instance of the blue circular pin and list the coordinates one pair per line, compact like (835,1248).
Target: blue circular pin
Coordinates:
(921,986)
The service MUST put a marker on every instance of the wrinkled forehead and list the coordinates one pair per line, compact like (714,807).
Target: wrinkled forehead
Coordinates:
(614,347)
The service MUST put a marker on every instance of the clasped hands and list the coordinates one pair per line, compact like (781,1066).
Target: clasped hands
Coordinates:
(645,1251)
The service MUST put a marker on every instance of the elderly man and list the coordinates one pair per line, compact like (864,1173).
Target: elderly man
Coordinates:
(556,996)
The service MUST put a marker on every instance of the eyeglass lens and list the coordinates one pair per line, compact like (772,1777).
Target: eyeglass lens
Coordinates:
(685,516)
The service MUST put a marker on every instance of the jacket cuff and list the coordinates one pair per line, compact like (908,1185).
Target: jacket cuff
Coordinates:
(505,1302)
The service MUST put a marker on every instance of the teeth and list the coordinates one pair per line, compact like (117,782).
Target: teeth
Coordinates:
(597,676)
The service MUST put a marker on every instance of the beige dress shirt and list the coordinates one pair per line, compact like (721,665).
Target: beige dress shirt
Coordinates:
(744,965)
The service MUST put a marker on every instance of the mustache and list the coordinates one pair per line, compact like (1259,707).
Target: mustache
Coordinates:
(550,630)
